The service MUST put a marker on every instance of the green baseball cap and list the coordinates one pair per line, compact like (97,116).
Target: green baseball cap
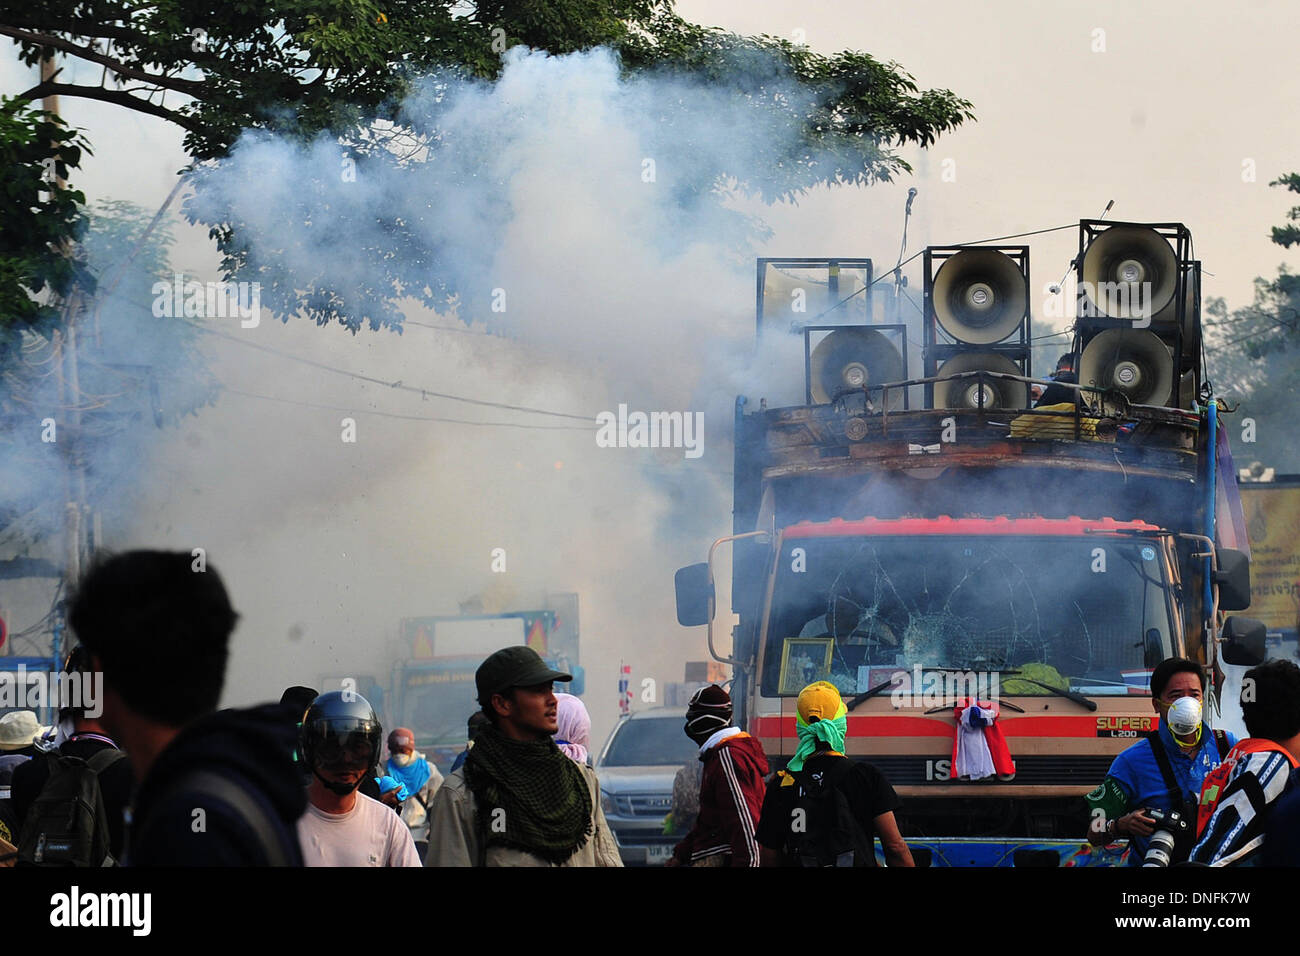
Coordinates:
(513,667)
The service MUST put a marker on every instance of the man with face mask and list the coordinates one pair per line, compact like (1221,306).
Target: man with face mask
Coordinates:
(731,786)
(340,743)
(1165,771)
(421,779)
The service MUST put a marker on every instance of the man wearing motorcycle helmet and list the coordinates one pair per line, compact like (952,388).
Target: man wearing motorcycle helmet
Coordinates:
(339,742)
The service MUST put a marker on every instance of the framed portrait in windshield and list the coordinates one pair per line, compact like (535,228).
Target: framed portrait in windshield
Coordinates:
(804,660)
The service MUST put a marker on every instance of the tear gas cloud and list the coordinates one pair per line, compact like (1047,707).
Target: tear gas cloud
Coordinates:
(620,287)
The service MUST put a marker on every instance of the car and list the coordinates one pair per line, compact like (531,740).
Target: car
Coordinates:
(636,768)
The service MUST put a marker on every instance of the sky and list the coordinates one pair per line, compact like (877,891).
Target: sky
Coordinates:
(1176,112)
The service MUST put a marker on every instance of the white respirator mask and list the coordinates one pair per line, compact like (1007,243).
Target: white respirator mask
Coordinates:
(1185,716)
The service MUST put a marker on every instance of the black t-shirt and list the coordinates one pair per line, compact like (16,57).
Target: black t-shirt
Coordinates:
(115,783)
(865,789)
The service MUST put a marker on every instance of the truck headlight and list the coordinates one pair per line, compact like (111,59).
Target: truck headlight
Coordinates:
(606,803)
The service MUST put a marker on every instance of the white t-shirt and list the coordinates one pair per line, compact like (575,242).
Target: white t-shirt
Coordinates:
(370,834)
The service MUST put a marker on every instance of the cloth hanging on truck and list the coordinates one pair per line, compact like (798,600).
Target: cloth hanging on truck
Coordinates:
(978,749)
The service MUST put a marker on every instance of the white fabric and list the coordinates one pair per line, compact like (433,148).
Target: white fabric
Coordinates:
(974,760)
(370,834)
(574,726)
(413,813)
(718,737)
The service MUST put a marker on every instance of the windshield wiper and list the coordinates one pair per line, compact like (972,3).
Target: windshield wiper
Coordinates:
(1067,694)
(867,695)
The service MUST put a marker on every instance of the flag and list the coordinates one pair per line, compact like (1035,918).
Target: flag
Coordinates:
(624,688)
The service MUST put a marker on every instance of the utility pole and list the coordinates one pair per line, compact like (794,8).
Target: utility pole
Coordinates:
(65,346)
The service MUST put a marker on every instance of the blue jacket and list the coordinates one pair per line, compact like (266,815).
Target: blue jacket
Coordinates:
(1139,775)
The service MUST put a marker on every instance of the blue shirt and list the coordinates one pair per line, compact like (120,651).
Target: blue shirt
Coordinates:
(1139,775)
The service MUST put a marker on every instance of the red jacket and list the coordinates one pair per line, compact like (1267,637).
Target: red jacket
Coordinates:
(731,795)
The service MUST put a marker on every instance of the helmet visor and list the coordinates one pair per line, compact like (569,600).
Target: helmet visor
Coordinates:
(344,743)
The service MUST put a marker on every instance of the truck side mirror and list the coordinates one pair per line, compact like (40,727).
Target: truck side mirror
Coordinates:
(1243,641)
(693,594)
(1233,579)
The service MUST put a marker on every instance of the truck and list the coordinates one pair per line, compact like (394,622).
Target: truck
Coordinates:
(928,542)
(431,689)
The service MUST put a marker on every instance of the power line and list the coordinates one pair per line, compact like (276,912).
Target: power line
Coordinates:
(418,418)
(432,418)
(445,328)
(917,255)
(424,392)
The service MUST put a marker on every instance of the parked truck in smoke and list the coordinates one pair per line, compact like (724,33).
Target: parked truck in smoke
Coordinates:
(432,690)
(921,558)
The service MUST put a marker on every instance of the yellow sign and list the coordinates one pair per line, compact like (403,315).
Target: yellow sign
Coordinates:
(1273,524)
(1126,723)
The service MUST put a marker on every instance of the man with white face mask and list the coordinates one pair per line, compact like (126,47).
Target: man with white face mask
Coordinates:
(1165,771)
(421,778)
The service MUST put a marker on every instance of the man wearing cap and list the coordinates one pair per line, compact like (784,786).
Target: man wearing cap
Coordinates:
(731,786)
(421,779)
(518,800)
(802,823)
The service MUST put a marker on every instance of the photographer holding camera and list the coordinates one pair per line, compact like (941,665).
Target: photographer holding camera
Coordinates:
(1151,791)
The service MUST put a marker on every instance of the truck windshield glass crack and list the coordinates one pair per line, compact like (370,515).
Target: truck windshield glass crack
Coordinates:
(862,609)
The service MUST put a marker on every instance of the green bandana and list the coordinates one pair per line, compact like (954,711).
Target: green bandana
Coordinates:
(544,796)
(830,732)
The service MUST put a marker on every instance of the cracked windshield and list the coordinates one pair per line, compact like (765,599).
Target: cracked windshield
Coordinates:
(1084,614)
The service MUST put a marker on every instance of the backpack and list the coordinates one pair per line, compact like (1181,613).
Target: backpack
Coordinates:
(1217,780)
(67,825)
(830,834)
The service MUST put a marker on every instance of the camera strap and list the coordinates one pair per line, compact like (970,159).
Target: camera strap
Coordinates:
(1177,799)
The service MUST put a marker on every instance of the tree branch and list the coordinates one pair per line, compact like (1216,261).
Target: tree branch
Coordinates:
(117,97)
(94,56)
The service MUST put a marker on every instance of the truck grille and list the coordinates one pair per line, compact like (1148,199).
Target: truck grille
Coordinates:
(643,804)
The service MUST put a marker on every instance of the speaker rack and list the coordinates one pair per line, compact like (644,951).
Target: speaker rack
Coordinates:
(938,346)
(1185,354)
(832,265)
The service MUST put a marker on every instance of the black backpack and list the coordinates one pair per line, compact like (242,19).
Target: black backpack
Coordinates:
(830,834)
(67,825)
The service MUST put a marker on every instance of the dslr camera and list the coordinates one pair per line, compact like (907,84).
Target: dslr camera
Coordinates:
(1172,829)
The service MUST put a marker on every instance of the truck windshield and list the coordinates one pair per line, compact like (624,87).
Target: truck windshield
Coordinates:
(1089,614)
(437,702)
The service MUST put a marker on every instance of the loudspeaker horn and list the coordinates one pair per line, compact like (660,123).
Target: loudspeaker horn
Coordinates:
(1133,361)
(852,358)
(965,393)
(979,296)
(1117,268)
(1163,323)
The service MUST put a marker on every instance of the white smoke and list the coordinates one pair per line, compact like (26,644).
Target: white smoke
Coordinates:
(570,189)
